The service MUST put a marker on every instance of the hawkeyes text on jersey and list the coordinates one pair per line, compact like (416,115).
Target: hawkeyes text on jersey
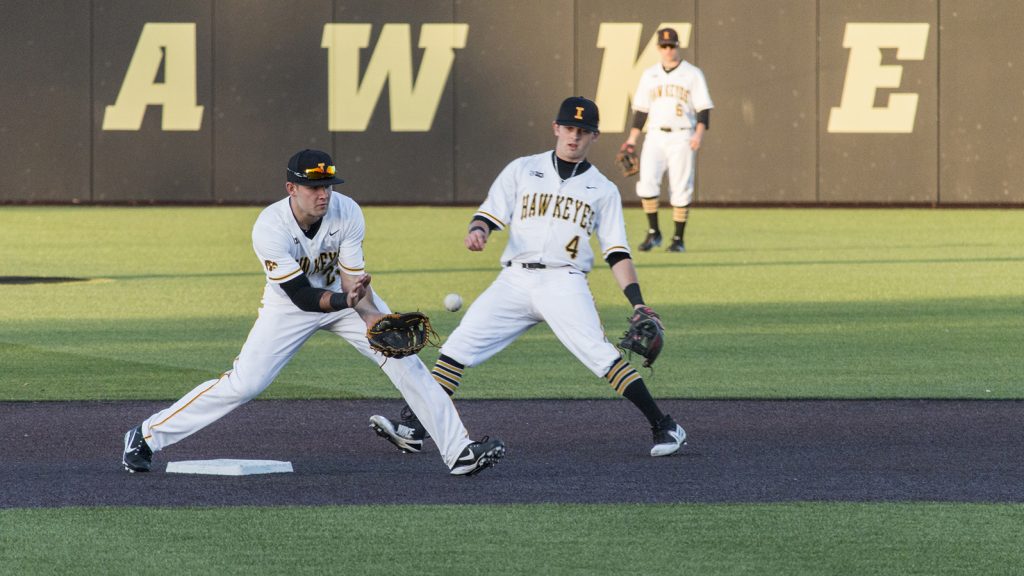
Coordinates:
(551,221)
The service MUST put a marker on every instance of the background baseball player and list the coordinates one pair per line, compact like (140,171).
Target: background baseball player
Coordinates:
(551,203)
(310,247)
(672,97)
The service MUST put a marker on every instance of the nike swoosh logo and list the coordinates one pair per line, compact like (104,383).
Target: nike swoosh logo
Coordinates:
(332,233)
(591,187)
(468,457)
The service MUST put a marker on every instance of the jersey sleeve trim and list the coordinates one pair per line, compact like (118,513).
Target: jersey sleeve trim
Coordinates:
(492,218)
(615,249)
(352,270)
(286,276)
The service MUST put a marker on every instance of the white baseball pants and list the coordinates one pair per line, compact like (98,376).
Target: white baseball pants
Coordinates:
(667,151)
(517,300)
(276,336)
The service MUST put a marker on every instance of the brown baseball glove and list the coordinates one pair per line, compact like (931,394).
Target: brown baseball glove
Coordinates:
(401,334)
(645,335)
(627,160)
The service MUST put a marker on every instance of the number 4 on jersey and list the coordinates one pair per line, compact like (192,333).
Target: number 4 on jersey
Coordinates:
(573,247)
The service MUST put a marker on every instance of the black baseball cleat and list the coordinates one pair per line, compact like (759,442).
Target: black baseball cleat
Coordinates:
(652,240)
(137,455)
(676,245)
(407,434)
(668,437)
(479,456)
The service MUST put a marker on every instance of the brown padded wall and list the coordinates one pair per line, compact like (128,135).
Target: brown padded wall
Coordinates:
(981,118)
(44,101)
(759,60)
(775,69)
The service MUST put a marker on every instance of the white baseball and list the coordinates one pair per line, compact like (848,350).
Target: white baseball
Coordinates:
(453,302)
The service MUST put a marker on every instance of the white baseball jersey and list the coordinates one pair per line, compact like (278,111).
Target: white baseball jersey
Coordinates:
(285,252)
(282,328)
(671,101)
(550,223)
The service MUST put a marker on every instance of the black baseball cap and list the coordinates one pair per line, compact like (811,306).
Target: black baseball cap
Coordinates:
(668,37)
(580,112)
(312,168)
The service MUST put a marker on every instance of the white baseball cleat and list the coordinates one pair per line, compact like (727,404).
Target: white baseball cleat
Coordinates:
(668,437)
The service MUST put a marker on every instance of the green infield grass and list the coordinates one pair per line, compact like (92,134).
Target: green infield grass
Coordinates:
(773,303)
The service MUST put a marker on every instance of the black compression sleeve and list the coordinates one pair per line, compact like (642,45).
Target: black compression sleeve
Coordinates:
(615,257)
(704,117)
(302,294)
(639,119)
(487,223)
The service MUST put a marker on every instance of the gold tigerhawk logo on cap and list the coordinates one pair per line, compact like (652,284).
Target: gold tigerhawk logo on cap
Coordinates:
(579,113)
(665,33)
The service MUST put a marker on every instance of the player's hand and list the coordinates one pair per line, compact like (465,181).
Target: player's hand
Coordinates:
(627,145)
(358,291)
(695,141)
(475,239)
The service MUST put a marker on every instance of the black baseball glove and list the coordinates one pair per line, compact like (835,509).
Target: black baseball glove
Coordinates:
(627,160)
(399,335)
(645,335)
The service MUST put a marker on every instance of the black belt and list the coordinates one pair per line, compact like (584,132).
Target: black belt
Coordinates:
(667,129)
(529,265)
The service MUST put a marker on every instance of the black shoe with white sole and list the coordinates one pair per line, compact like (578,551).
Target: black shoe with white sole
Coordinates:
(668,437)
(137,455)
(406,434)
(479,456)
(653,240)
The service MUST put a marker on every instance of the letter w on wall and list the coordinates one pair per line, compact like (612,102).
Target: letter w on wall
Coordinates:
(413,106)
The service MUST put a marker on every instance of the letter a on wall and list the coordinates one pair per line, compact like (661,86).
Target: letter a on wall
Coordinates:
(174,46)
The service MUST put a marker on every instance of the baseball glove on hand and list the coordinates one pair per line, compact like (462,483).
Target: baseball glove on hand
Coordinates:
(645,335)
(399,335)
(627,160)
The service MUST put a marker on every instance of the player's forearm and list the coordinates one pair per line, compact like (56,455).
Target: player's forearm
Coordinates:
(624,272)
(366,308)
(309,299)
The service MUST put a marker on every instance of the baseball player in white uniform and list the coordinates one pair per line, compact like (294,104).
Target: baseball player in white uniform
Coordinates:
(309,245)
(551,203)
(672,98)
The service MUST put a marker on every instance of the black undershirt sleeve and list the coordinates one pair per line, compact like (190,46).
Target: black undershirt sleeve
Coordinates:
(616,257)
(704,117)
(487,223)
(639,119)
(303,295)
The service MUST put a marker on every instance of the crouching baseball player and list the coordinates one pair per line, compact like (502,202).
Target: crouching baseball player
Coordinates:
(551,203)
(310,247)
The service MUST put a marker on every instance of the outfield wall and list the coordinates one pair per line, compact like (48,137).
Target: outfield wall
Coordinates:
(202,101)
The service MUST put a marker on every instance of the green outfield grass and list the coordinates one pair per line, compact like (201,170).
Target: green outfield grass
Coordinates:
(767,304)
